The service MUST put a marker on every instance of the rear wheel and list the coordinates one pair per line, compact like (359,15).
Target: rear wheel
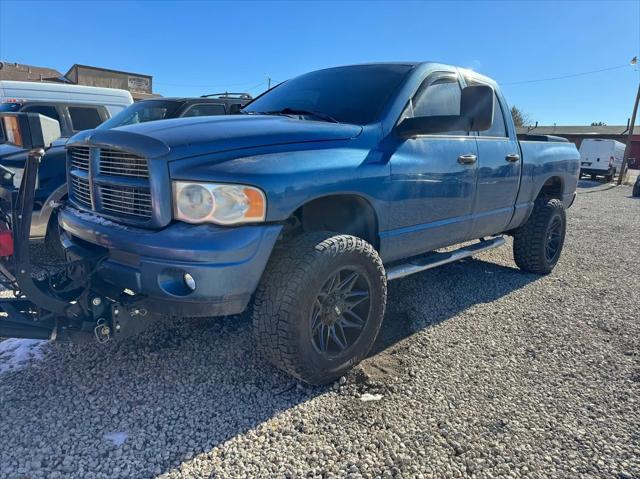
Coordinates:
(319,306)
(636,189)
(538,243)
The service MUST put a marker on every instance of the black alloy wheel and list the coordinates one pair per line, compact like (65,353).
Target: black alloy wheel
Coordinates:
(340,312)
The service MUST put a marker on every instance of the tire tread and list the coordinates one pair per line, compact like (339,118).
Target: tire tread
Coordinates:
(529,239)
(284,279)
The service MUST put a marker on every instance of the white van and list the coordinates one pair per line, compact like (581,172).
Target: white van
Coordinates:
(600,157)
(19,91)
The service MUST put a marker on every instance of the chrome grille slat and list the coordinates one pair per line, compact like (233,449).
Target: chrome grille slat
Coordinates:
(119,212)
(119,163)
(126,200)
(114,201)
(135,195)
(80,158)
(122,173)
(81,191)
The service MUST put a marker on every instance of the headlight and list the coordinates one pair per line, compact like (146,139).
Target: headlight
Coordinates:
(217,203)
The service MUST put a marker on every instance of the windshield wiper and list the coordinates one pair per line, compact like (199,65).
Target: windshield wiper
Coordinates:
(317,114)
(295,111)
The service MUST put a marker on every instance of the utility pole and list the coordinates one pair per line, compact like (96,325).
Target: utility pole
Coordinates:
(627,149)
(269,83)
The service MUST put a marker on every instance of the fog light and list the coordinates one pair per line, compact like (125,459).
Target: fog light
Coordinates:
(189,281)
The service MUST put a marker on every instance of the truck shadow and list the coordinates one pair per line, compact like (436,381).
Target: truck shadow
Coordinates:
(590,183)
(176,393)
(427,299)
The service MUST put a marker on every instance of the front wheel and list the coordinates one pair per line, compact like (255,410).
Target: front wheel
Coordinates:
(319,306)
(538,243)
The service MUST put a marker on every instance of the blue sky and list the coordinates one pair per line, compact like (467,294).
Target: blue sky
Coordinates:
(192,48)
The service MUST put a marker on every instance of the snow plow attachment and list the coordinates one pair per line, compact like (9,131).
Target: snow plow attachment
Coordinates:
(49,301)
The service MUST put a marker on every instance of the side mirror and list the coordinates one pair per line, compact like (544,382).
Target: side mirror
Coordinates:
(29,130)
(476,114)
(429,125)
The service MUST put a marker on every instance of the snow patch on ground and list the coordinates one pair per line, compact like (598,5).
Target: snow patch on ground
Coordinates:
(117,438)
(17,353)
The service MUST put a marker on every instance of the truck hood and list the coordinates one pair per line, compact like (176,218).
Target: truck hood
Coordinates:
(185,137)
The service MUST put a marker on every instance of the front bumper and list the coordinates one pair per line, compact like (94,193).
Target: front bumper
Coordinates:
(225,263)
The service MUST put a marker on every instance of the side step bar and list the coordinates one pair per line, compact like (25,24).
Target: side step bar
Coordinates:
(433,260)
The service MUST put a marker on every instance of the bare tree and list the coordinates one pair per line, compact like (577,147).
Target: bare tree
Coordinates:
(520,118)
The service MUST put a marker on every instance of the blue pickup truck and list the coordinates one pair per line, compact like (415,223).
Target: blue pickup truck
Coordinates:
(301,208)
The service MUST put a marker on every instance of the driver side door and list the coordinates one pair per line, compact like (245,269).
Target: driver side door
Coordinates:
(433,177)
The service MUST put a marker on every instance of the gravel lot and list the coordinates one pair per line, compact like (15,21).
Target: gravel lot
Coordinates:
(480,371)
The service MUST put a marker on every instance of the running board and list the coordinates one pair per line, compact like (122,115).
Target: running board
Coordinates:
(433,260)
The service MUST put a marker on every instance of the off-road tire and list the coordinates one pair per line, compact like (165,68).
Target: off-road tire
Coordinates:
(293,277)
(530,239)
(636,189)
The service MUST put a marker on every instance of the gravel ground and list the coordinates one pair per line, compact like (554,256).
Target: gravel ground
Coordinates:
(480,371)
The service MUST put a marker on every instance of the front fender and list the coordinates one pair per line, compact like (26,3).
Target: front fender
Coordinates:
(292,178)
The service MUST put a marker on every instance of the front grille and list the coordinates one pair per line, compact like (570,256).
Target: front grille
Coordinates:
(126,200)
(112,182)
(119,163)
(80,157)
(80,191)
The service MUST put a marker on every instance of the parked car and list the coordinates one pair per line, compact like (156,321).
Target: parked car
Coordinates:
(75,108)
(165,108)
(51,187)
(304,206)
(599,157)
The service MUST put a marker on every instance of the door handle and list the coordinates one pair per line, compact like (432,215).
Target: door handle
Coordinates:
(467,159)
(512,157)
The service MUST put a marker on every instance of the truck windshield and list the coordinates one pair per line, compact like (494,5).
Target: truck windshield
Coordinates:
(148,110)
(353,94)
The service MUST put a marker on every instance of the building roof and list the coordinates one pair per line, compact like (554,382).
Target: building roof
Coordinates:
(21,72)
(109,70)
(559,130)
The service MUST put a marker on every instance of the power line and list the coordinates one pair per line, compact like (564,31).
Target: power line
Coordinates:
(565,76)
